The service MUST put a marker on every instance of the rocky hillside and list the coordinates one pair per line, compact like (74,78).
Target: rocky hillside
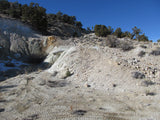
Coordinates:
(89,78)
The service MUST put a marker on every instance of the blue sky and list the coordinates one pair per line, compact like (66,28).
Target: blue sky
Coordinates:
(145,14)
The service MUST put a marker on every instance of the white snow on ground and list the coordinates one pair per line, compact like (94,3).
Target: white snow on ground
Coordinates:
(15,62)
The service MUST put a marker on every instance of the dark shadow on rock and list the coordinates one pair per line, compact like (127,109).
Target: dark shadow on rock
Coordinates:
(32,117)
(4,88)
(24,69)
(79,112)
(58,83)
(2,110)
(1,101)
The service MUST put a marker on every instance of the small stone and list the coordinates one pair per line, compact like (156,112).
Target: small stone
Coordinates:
(114,85)
(119,63)
(42,82)
(88,85)
(79,112)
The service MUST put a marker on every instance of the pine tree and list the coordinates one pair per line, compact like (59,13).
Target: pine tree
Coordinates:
(118,32)
(136,32)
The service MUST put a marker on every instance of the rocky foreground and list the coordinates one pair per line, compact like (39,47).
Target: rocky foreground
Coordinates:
(87,80)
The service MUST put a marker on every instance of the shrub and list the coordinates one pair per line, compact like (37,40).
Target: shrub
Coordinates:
(147,83)
(112,41)
(126,46)
(143,38)
(75,34)
(155,52)
(141,53)
(78,24)
(127,34)
(68,73)
(136,32)
(118,32)
(143,46)
(138,75)
(158,40)
(4,4)
(110,30)
(150,93)
(102,30)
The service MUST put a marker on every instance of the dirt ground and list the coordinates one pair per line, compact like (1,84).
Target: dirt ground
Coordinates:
(100,86)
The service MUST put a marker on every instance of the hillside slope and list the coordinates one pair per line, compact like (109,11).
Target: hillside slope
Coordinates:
(87,81)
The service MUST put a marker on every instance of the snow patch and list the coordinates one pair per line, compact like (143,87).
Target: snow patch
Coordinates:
(17,64)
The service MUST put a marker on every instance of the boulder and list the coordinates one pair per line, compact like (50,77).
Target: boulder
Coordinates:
(62,64)
(18,44)
(54,54)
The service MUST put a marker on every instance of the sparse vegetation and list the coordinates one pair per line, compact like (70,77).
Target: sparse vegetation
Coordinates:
(138,75)
(126,46)
(136,32)
(148,83)
(59,16)
(79,112)
(155,52)
(75,34)
(143,46)
(118,32)
(68,73)
(102,30)
(39,19)
(141,54)
(149,93)
(143,38)
(112,41)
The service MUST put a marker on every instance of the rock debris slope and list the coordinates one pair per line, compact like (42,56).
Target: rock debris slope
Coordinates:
(87,81)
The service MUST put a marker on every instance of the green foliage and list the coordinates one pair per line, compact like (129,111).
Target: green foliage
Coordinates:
(118,32)
(142,38)
(64,18)
(127,34)
(112,41)
(88,29)
(102,30)
(75,34)
(68,73)
(158,40)
(59,14)
(4,4)
(136,32)
(15,10)
(110,30)
(35,15)
(79,24)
